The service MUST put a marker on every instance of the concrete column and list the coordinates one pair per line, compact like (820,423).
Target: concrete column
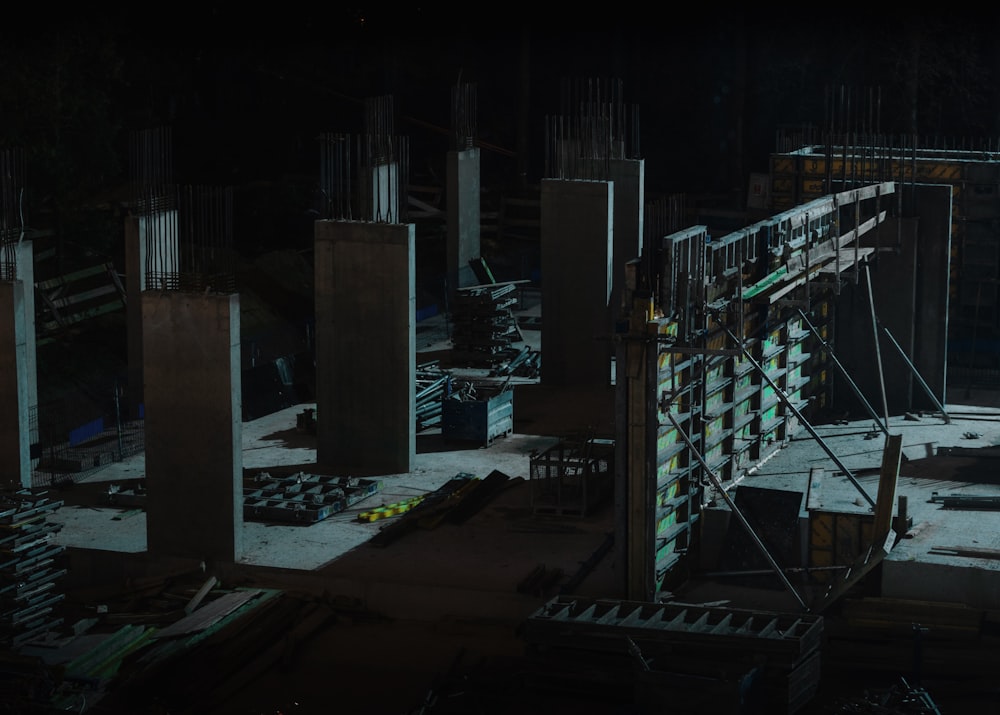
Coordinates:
(194,451)
(148,239)
(15,462)
(629,177)
(463,200)
(576,256)
(365,347)
(26,274)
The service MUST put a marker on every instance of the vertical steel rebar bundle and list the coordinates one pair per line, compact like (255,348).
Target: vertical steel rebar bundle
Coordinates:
(153,201)
(382,148)
(12,208)
(594,127)
(151,171)
(335,176)
(205,237)
(365,177)
(187,230)
(463,116)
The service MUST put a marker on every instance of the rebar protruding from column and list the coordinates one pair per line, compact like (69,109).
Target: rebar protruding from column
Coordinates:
(12,211)
(463,116)
(594,128)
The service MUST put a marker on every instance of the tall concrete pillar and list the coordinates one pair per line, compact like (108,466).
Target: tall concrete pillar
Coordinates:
(15,462)
(194,455)
(151,235)
(26,274)
(365,347)
(576,257)
(463,199)
(629,177)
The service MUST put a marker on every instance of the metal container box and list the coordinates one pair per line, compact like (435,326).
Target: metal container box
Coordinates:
(481,420)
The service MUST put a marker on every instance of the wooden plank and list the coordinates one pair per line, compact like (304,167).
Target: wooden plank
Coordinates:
(209,614)
(968,551)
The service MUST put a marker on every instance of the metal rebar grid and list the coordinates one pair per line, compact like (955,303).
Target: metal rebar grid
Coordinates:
(463,116)
(366,177)
(594,127)
(335,175)
(205,237)
(151,172)
(12,208)
(153,200)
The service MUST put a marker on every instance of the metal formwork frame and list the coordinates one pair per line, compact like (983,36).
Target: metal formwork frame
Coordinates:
(726,363)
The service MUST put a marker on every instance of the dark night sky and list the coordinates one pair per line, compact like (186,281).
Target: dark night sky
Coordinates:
(246,92)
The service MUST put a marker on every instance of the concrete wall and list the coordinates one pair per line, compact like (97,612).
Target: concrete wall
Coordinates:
(930,345)
(910,293)
(463,203)
(365,347)
(15,464)
(194,459)
(576,252)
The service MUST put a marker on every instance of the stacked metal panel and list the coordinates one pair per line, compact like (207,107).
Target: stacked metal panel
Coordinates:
(30,567)
(483,324)
(302,498)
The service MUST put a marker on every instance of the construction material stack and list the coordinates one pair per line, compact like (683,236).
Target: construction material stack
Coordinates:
(484,325)
(29,567)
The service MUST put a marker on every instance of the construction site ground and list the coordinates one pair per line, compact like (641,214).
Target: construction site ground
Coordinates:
(430,619)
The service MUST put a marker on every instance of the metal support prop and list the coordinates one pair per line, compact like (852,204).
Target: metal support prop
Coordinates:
(878,352)
(927,389)
(805,423)
(739,515)
(847,376)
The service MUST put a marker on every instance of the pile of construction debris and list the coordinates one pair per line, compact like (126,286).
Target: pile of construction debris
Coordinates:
(180,643)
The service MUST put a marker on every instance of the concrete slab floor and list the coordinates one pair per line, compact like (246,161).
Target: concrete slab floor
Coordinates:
(454,589)
(940,458)
(272,441)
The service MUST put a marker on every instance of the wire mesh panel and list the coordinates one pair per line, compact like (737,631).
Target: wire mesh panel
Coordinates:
(74,437)
(572,477)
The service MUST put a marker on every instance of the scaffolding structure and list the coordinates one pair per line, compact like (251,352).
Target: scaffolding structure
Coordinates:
(730,337)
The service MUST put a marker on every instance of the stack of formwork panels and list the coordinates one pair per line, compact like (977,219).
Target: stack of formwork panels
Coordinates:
(30,567)
(483,324)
